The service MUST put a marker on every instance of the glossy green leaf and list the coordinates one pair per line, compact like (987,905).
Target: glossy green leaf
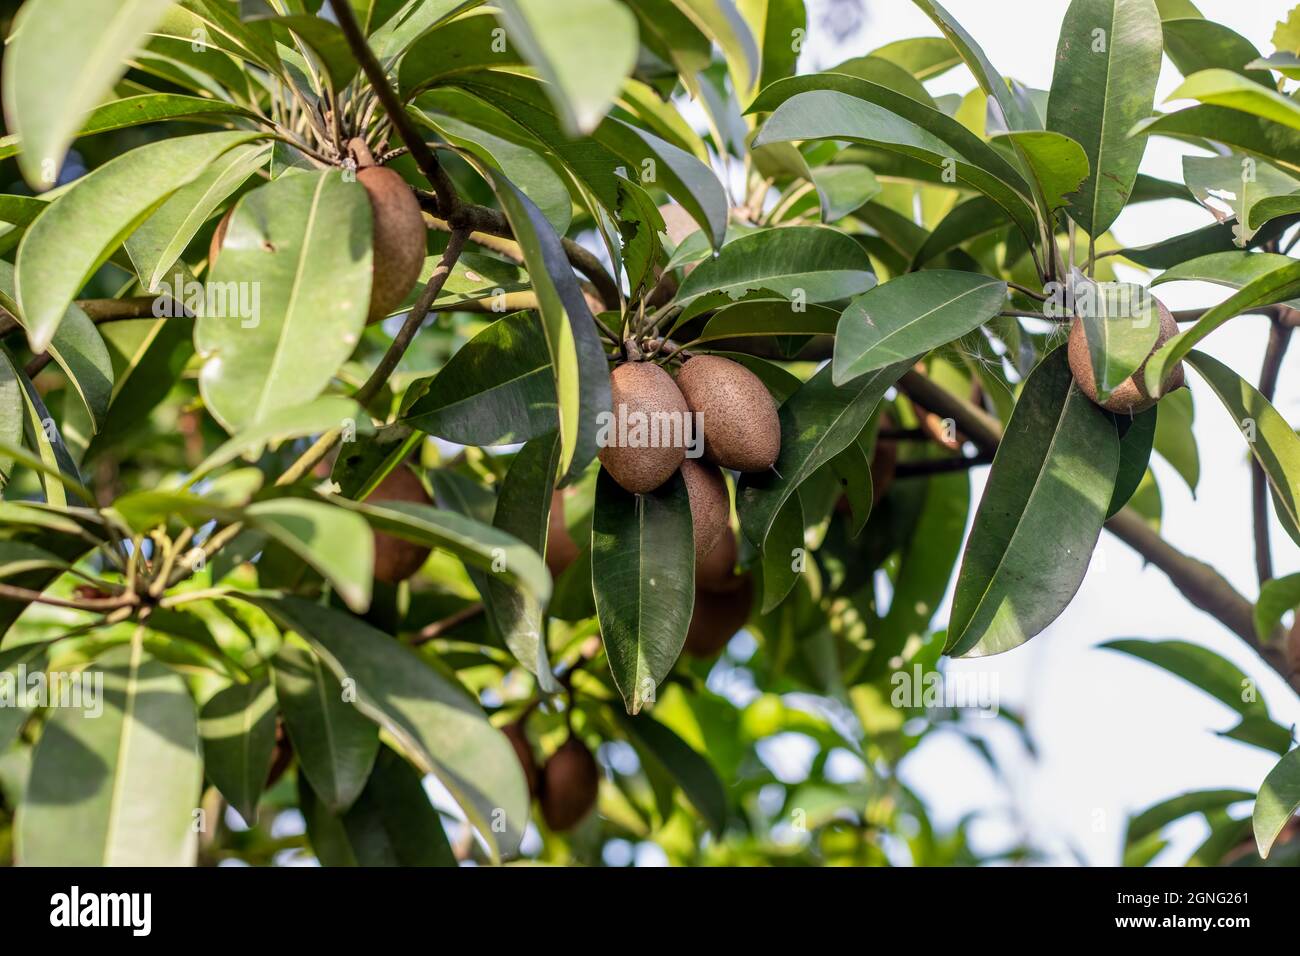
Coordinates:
(474,543)
(16,664)
(1278,801)
(1232,269)
(1200,667)
(1235,186)
(292,287)
(692,772)
(1104,84)
(463,45)
(780,556)
(1218,87)
(720,20)
(923,57)
(1174,439)
(910,315)
(768,317)
(642,574)
(1136,437)
(1155,818)
(313,418)
(118,788)
(577,357)
(1244,132)
(160,241)
(437,724)
(1276,285)
(807,264)
(1276,598)
(1057,164)
(1194,44)
(73,237)
(47,38)
(1121,324)
(237,726)
(583,86)
(327,43)
(523,509)
(497,388)
(1042,511)
(1272,440)
(818,422)
(335,743)
(333,540)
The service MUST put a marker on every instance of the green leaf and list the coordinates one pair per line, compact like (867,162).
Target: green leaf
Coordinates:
(477,544)
(12,413)
(16,664)
(1155,818)
(910,315)
(326,41)
(968,220)
(333,540)
(312,292)
(1042,511)
(1174,439)
(438,725)
(335,743)
(1059,166)
(1225,88)
(577,357)
(1018,114)
(120,788)
(843,189)
(1276,597)
(829,114)
(1136,437)
(1117,344)
(1231,186)
(768,317)
(496,389)
(1278,800)
(1194,44)
(160,241)
(581,87)
(818,422)
(1103,85)
(923,57)
(238,730)
(48,38)
(77,232)
(312,418)
(1200,667)
(692,772)
(523,509)
(1232,269)
(1272,440)
(392,823)
(1276,285)
(808,264)
(720,20)
(778,553)
(1244,132)
(642,574)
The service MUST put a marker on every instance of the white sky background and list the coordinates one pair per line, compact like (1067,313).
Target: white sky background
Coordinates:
(1114,734)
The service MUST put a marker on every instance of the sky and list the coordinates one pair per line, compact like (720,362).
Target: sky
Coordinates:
(1115,735)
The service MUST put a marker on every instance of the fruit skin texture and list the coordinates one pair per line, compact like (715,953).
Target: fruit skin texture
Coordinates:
(1131,397)
(395,559)
(741,428)
(570,780)
(399,239)
(716,570)
(646,388)
(710,504)
(718,615)
(561,549)
(524,751)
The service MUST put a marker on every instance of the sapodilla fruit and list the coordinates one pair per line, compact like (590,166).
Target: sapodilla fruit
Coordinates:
(395,559)
(718,615)
(561,549)
(398,239)
(570,781)
(710,504)
(1131,397)
(524,751)
(741,428)
(716,570)
(636,389)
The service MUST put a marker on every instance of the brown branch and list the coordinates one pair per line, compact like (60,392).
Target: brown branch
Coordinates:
(444,189)
(1279,337)
(438,628)
(12,593)
(925,467)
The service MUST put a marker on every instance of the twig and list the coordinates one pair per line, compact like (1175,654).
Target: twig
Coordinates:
(438,628)
(925,467)
(1279,337)
(11,592)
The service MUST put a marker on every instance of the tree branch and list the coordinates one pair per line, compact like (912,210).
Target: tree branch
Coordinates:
(1279,337)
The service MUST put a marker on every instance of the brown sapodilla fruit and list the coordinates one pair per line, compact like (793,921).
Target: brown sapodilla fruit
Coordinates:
(710,504)
(399,239)
(570,781)
(524,751)
(395,559)
(718,615)
(716,570)
(643,389)
(1131,397)
(561,549)
(741,427)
